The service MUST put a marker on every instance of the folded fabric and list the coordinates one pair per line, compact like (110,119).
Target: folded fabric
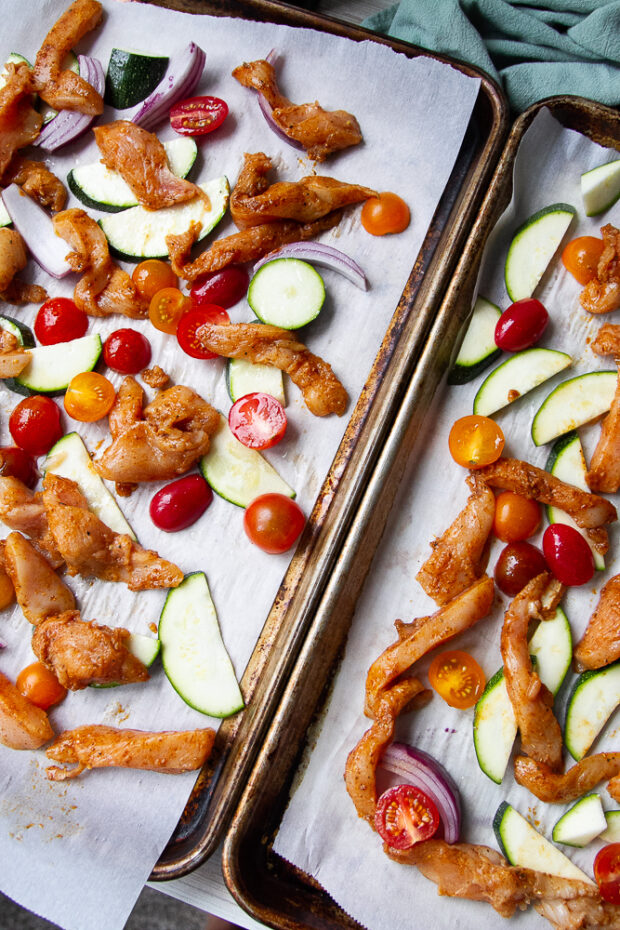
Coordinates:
(533,51)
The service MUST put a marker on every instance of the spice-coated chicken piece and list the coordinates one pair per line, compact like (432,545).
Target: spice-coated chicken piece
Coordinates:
(160,441)
(604,471)
(92,549)
(39,591)
(607,340)
(602,293)
(36,180)
(23,510)
(320,132)
(82,653)
(562,788)
(13,358)
(600,644)
(20,123)
(584,912)
(323,393)
(23,725)
(13,259)
(91,747)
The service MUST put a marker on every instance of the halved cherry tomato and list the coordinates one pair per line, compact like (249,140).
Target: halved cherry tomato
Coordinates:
(166,308)
(180,503)
(191,321)
(521,325)
(387,213)
(457,678)
(127,351)
(35,424)
(475,441)
(224,288)
(153,275)
(517,564)
(257,420)
(405,815)
(516,518)
(40,686)
(273,522)
(581,257)
(568,554)
(89,397)
(198,115)
(16,463)
(607,872)
(59,320)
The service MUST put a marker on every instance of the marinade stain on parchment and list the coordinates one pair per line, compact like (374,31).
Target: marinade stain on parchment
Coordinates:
(41,806)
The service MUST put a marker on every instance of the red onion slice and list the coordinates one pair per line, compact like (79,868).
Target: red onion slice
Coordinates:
(424,772)
(267,112)
(37,231)
(319,254)
(182,74)
(67,125)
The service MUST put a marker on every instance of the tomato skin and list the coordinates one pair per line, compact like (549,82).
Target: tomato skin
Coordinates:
(257,420)
(581,257)
(516,518)
(59,320)
(521,325)
(607,872)
(153,275)
(166,308)
(127,351)
(457,678)
(16,463)
(273,522)
(224,288)
(388,213)
(179,504)
(197,116)
(405,815)
(475,441)
(517,564)
(568,554)
(89,397)
(35,424)
(192,321)
(37,683)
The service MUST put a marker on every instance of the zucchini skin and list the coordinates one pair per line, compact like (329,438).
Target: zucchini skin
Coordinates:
(77,191)
(131,77)
(462,374)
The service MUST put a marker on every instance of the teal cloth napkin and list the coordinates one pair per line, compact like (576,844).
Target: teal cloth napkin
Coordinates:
(532,50)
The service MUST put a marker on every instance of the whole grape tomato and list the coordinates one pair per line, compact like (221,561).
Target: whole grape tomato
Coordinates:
(224,288)
(257,420)
(37,683)
(568,555)
(153,275)
(59,320)
(475,441)
(516,518)
(521,325)
(180,503)
(457,678)
(89,397)
(273,522)
(405,815)
(385,214)
(35,424)
(517,564)
(607,872)
(191,321)
(581,257)
(127,351)
(197,116)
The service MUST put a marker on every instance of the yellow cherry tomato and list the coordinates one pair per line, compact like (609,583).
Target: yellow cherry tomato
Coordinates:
(387,213)
(153,275)
(40,686)
(581,257)
(89,397)
(516,518)
(475,441)
(166,309)
(457,678)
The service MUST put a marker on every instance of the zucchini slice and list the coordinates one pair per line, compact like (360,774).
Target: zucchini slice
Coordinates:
(518,375)
(131,77)
(145,648)
(243,377)
(533,246)
(51,368)
(594,697)
(22,333)
(600,188)
(573,403)
(286,292)
(478,349)
(137,233)
(584,821)
(611,833)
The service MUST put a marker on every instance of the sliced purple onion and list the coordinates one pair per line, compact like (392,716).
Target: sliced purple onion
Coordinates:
(319,254)
(67,125)
(37,231)
(182,74)
(267,112)
(424,772)
(2,645)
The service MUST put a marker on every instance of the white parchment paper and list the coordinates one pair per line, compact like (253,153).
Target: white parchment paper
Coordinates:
(79,852)
(320,831)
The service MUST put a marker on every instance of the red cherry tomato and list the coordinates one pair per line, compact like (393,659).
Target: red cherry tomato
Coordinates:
(581,257)
(40,686)
(89,397)
(457,678)
(224,288)
(35,424)
(180,503)
(405,816)
(257,420)
(516,518)
(153,275)
(475,441)
(607,872)
(385,214)
(191,321)
(517,564)
(521,325)
(127,351)
(59,320)
(15,463)
(568,554)
(273,522)
(198,115)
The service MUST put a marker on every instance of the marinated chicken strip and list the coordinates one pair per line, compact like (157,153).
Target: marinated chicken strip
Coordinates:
(320,132)
(92,549)
(13,358)
(532,702)
(269,345)
(104,287)
(160,441)
(36,180)
(39,591)
(93,747)
(460,555)
(584,913)
(65,90)
(556,788)
(607,340)
(13,256)
(600,644)
(20,123)
(602,293)
(23,725)
(140,158)
(81,653)
(589,511)
(252,203)
(604,471)
(23,510)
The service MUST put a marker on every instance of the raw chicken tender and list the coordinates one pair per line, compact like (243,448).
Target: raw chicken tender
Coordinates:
(23,725)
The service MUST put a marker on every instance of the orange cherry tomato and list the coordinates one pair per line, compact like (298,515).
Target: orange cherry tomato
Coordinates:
(153,275)
(475,441)
(387,213)
(457,678)
(89,397)
(516,518)
(166,309)
(40,686)
(581,257)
